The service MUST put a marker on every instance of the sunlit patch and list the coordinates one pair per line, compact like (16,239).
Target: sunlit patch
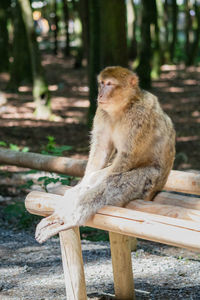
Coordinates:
(53,88)
(24,88)
(187,138)
(196,113)
(190,82)
(175,89)
(167,106)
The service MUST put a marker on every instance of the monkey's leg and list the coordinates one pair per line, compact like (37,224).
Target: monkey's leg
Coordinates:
(117,189)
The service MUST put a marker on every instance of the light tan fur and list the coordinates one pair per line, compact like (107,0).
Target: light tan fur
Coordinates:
(132,152)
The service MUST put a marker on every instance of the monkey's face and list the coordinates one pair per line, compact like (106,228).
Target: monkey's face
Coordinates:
(107,90)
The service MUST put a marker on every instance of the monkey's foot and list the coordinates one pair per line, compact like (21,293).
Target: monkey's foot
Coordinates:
(48,227)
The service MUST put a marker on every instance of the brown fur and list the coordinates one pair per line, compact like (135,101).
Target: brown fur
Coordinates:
(132,152)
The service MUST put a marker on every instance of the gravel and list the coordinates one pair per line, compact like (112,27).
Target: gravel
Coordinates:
(32,271)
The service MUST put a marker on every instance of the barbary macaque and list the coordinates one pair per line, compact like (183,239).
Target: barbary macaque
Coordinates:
(132,152)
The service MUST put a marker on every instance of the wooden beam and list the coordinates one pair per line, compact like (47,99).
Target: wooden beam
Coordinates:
(122,266)
(163,229)
(178,200)
(184,182)
(72,261)
(172,211)
(62,165)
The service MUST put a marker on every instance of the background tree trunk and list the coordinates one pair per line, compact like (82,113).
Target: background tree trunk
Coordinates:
(113,42)
(19,72)
(55,31)
(94,55)
(174,29)
(4,45)
(40,87)
(66,17)
(145,56)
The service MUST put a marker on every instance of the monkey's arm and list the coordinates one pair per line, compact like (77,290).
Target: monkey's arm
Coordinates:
(101,144)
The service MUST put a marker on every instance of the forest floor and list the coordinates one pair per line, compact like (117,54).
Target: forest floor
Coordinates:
(30,271)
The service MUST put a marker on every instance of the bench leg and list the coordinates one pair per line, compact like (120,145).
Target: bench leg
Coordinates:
(73,264)
(122,266)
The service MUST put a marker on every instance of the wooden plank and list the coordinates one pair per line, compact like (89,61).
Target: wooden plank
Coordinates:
(178,200)
(73,264)
(122,266)
(165,210)
(184,182)
(172,231)
(149,230)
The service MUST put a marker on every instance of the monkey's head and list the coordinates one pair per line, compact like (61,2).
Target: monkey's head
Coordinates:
(117,87)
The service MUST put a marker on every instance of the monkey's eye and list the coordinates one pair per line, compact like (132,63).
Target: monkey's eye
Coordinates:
(109,83)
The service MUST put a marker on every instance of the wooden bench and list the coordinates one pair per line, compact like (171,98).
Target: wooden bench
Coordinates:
(171,218)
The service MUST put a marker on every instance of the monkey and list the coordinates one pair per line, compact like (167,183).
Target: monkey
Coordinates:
(131,153)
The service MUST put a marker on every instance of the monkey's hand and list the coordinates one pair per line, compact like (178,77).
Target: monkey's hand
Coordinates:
(50,226)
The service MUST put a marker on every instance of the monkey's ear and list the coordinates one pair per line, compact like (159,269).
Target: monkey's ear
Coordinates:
(134,80)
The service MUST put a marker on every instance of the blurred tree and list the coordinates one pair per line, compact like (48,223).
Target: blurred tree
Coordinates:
(55,26)
(113,41)
(155,33)
(133,45)
(4,45)
(145,55)
(83,9)
(107,41)
(192,48)
(93,55)
(188,28)
(174,29)
(67,35)
(40,87)
(19,73)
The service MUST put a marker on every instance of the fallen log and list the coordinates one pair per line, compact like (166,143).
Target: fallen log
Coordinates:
(49,163)
(177,181)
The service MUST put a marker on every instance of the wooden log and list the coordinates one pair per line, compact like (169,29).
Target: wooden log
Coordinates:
(177,181)
(172,231)
(178,200)
(165,210)
(62,165)
(122,266)
(184,182)
(73,264)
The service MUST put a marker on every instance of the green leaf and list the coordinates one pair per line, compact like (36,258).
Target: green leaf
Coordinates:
(14,147)
(25,149)
(3,144)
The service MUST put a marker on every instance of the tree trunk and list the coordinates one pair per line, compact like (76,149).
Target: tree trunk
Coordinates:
(19,73)
(133,46)
(66,17)
(188,28)
(55,31)
(94,55)
(174,29)
(156,38)
(4,45)
(145,56)
(195,45)
(113,42)
(40,87)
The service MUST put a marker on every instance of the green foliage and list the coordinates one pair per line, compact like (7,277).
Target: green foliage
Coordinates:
(14,147)
(63,179)
(17,215)
(3,144)
(95,235)
(51,148)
